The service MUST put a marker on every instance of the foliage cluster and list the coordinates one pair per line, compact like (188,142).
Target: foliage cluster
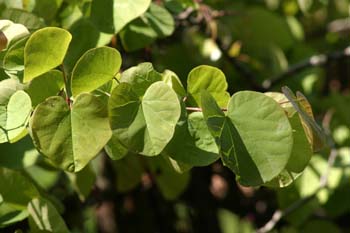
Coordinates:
(85,80)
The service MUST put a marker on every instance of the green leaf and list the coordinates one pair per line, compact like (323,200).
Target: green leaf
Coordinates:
(178,6)
(84,36)
(83,181)
(45,50)
(10,215)
(198,147)
(161,110)
(45,85)
(255,138)
(96,67)
(44,176)
(11,182)
(7,88)
(13,60)
(70,138)
(207,78)
(112,15)
(14,117)
(18,155)
(43,216)
(145,126)
(115,149)
(173,81)
(127,10)
(47,9)
(29,20)
(171,183)
(141,77)
(231,223)
(131,167)
(314,132)
(157,22)
(264,134)
(302,149)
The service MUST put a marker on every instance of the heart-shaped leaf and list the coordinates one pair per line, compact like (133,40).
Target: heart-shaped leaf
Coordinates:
(262,127)
(14,117)
(141,77)
(207,78)
(70,138)
(145,126)
(45,50)
(255,138)
(96,67)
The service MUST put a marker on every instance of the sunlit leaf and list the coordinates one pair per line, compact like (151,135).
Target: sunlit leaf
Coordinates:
(44,51)
(44,217)
(95,68)
(207,78)
(14,117)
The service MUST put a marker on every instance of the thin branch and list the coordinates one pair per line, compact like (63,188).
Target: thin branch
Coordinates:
(66,85)
(314,61)
(279,214)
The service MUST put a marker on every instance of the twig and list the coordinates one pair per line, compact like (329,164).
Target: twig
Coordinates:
(279,214)
(316,60)
(66,85)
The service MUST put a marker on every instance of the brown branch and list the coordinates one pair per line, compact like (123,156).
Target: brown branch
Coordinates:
(66,85)
(279,214)
(314,61)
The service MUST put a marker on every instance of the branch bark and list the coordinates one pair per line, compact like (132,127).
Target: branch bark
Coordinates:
(279,214)
(314,61)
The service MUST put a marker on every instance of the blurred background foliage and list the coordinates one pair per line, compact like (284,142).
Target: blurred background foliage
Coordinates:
(260,45)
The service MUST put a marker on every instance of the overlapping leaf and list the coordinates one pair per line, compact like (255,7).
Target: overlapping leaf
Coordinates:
(145,125)
(207,78)
(70,138)
(140,77)
(44,217)
(14,116)
(157,22)
(198,147)
(255,138)
(112,15)
(44,86)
